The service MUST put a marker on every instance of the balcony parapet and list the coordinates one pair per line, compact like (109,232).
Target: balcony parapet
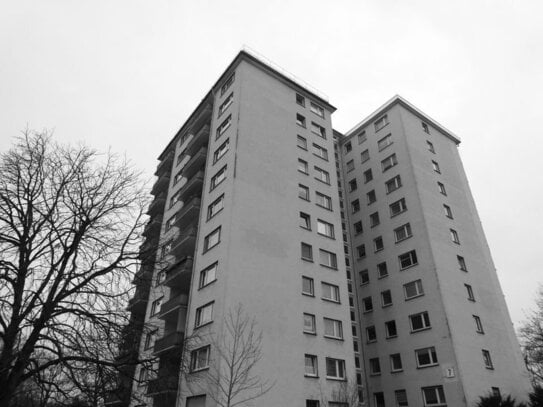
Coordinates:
(165,164)
(188,212)
(169,342)
(178,275)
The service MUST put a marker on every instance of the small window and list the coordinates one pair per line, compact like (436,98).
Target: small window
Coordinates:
(378,244)
(355,206)
(382,122)
(495,391)
(382,270)
(333,328)
(319,111)
(227,84)
(358,228)
(302,166)
(300,100)
(368,176)
(307,252)
(312,403)
(397,207)
(386,298)
(305,221)
(379,399)
(413,289)
(308,286)
(327,259)
(223,126)
(371,334)
(408,259)
(390,329)
(448,211)
(441,188)
(374,219)
(487,359)
(462,263)
(469,290)
(403,232)
(393,184)
(454,236)
(322,175)
(361,137)
(215,207)
(199,359)
(433,396)
(311,366)
(401,398)
(219,177)
(364,156)
(389,162)
(310,327)
(221,151)
(330,292)
(375,366)
(371,197)
(350,165)
(352,185)
(426,357)
(318,130)
(384,142)
(367,304)
(208,275)
(325,228)
(430,147)
(478,324)
(204,315)
(320,152)
(212,240)
(224,105)
(419,321)
(425,127)
(361,251)
(396,363)
(300,120)
(348,147)
(324,201)
(150,339)
(335,369)
(364,277)
(303,192)
(301,142)
(435,167)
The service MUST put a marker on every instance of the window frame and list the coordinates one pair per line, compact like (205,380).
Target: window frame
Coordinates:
(195,359)
(328,229)
(419,288)
(307,220)
(321,173)
(301,142)
(198,319)
(314,365)
(217,176)
(334,293)
(225,124)
(339,367)
(389,162)
(210,213)
(204,280)
(413,259)
(316,109)
(428,352)
(313,329)
(403,232)
(337,328)
(306,194)
(393,184)
(381,123)
(425,321)
(207,239)
(301,120)
(402,207)
(310,251)
(325,198)
(384,142)
(331,259)
(395,357)
(221,151)
(311,282)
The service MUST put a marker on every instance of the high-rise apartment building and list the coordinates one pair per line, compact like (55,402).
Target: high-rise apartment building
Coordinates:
(360,257)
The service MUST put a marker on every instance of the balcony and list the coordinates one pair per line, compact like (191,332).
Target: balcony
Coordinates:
(189,212)
(152,227)
(118,397)
(199,139)
(163,385)
(197,161)
(157,205)
(179,274)
(166,164)
(169,342)
(161,184)
(185,243)
(137,303)
(170,307)
(193,186)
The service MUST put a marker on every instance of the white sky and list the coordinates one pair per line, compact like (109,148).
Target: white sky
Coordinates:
(126,74)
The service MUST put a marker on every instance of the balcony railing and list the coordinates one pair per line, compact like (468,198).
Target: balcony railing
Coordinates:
(157,205)
(137,303)
(173,305)
(162,385)
(188,212)
(166,164)
(193,186)
(153,226)
(118,397)
(178,275)
(197,162)
(161,184)
(169,342)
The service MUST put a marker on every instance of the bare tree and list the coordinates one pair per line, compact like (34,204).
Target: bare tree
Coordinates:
(69,235)
(344,394)
(531,336)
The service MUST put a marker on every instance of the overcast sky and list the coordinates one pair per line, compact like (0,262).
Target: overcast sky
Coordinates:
(126,74)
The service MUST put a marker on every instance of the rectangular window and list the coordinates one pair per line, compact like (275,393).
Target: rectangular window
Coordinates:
(396,363)
(401,398)
(174,199)
(300,120)
(208,275)
(213,239)
(330,292)
(403,232)
(358,228)
(425,128)
(384,142)
(219,177)
(352,185)
(397,207)
(335,369)
(389,162)
(367,304)
(150,339)
(310,327)
(413,289)
(307,252)
(361,251)
(327,259)
(393,184)
(325,228)
(382,270)
(319,111)
(433,396)
(312,403)
(320,152)
(487,359)
(215,207)
(371,197)
(441,188)
(371,334)
(204,315)
(374,219)
(364,277)
(419,321)
(301,142)
(223,126)
(408,259)
(361,137)
(318,130)
(322,175)
(478,324)
(324,201)
(303,192)
(368,176)
(305,221)
(375,366)
(430,147)
(300,100)
(390,329)
(307,286)
(382,122)
(454,236)
(348,147)
(302,166)
(426,357)
(311,366)
(378,244)
(448,211)
(364,156)
(221,151)
(462,263)
(333,328)
(224,105)
(435,167)
(227,84)
(355,206)
(156,305)
(199,359)
(350,165)
(469,290)
(379,399)
(386,298)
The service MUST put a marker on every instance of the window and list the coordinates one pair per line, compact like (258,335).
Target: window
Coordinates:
(302,166)
(170,222)
(224,105)
(350,165)
(393,184)
(367,304)
(364,156)
(378,244)
(371,197)
(311,366)
(386,298)
(389,162)
(307,252)
(478,324)
(204,315)
(213,239)
(382,270)
(310,326)
(375,366)
(403,232)
(430,147)
(155,306)
(325,228)
(305,221)
(425,127)
(390,329)
(396,363)
(495,391)
(462,263)
(368,176)
(219,177)
(303,192)
(300,100)
(413,289)
(358,228)
(319,111)
(382,122)
(333,328)
(166,248)
(401,398)
(419,321)
(397,207)
(433,396)
(150,339)
(227,84)
(208,275)
(318,130)
(220,151)
(435,167)
(469,290)
(324,201)
(374,219)
(371,334)
(199,359)
(352,185)
(312,403)
(361,251)
(307,286)
(301,142)
(426,357)
(454,236)
(327,259)
(379,399)
(174,199)
(355,206)
(384,142)
(441,188)
(335,369)
(330,292)
(320,152)
(223,126)
(448,212)
(487,359)
(215,207)
(322,175)
(361,137)
(364,277)
(408,259)
(300,120)
(142,376)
